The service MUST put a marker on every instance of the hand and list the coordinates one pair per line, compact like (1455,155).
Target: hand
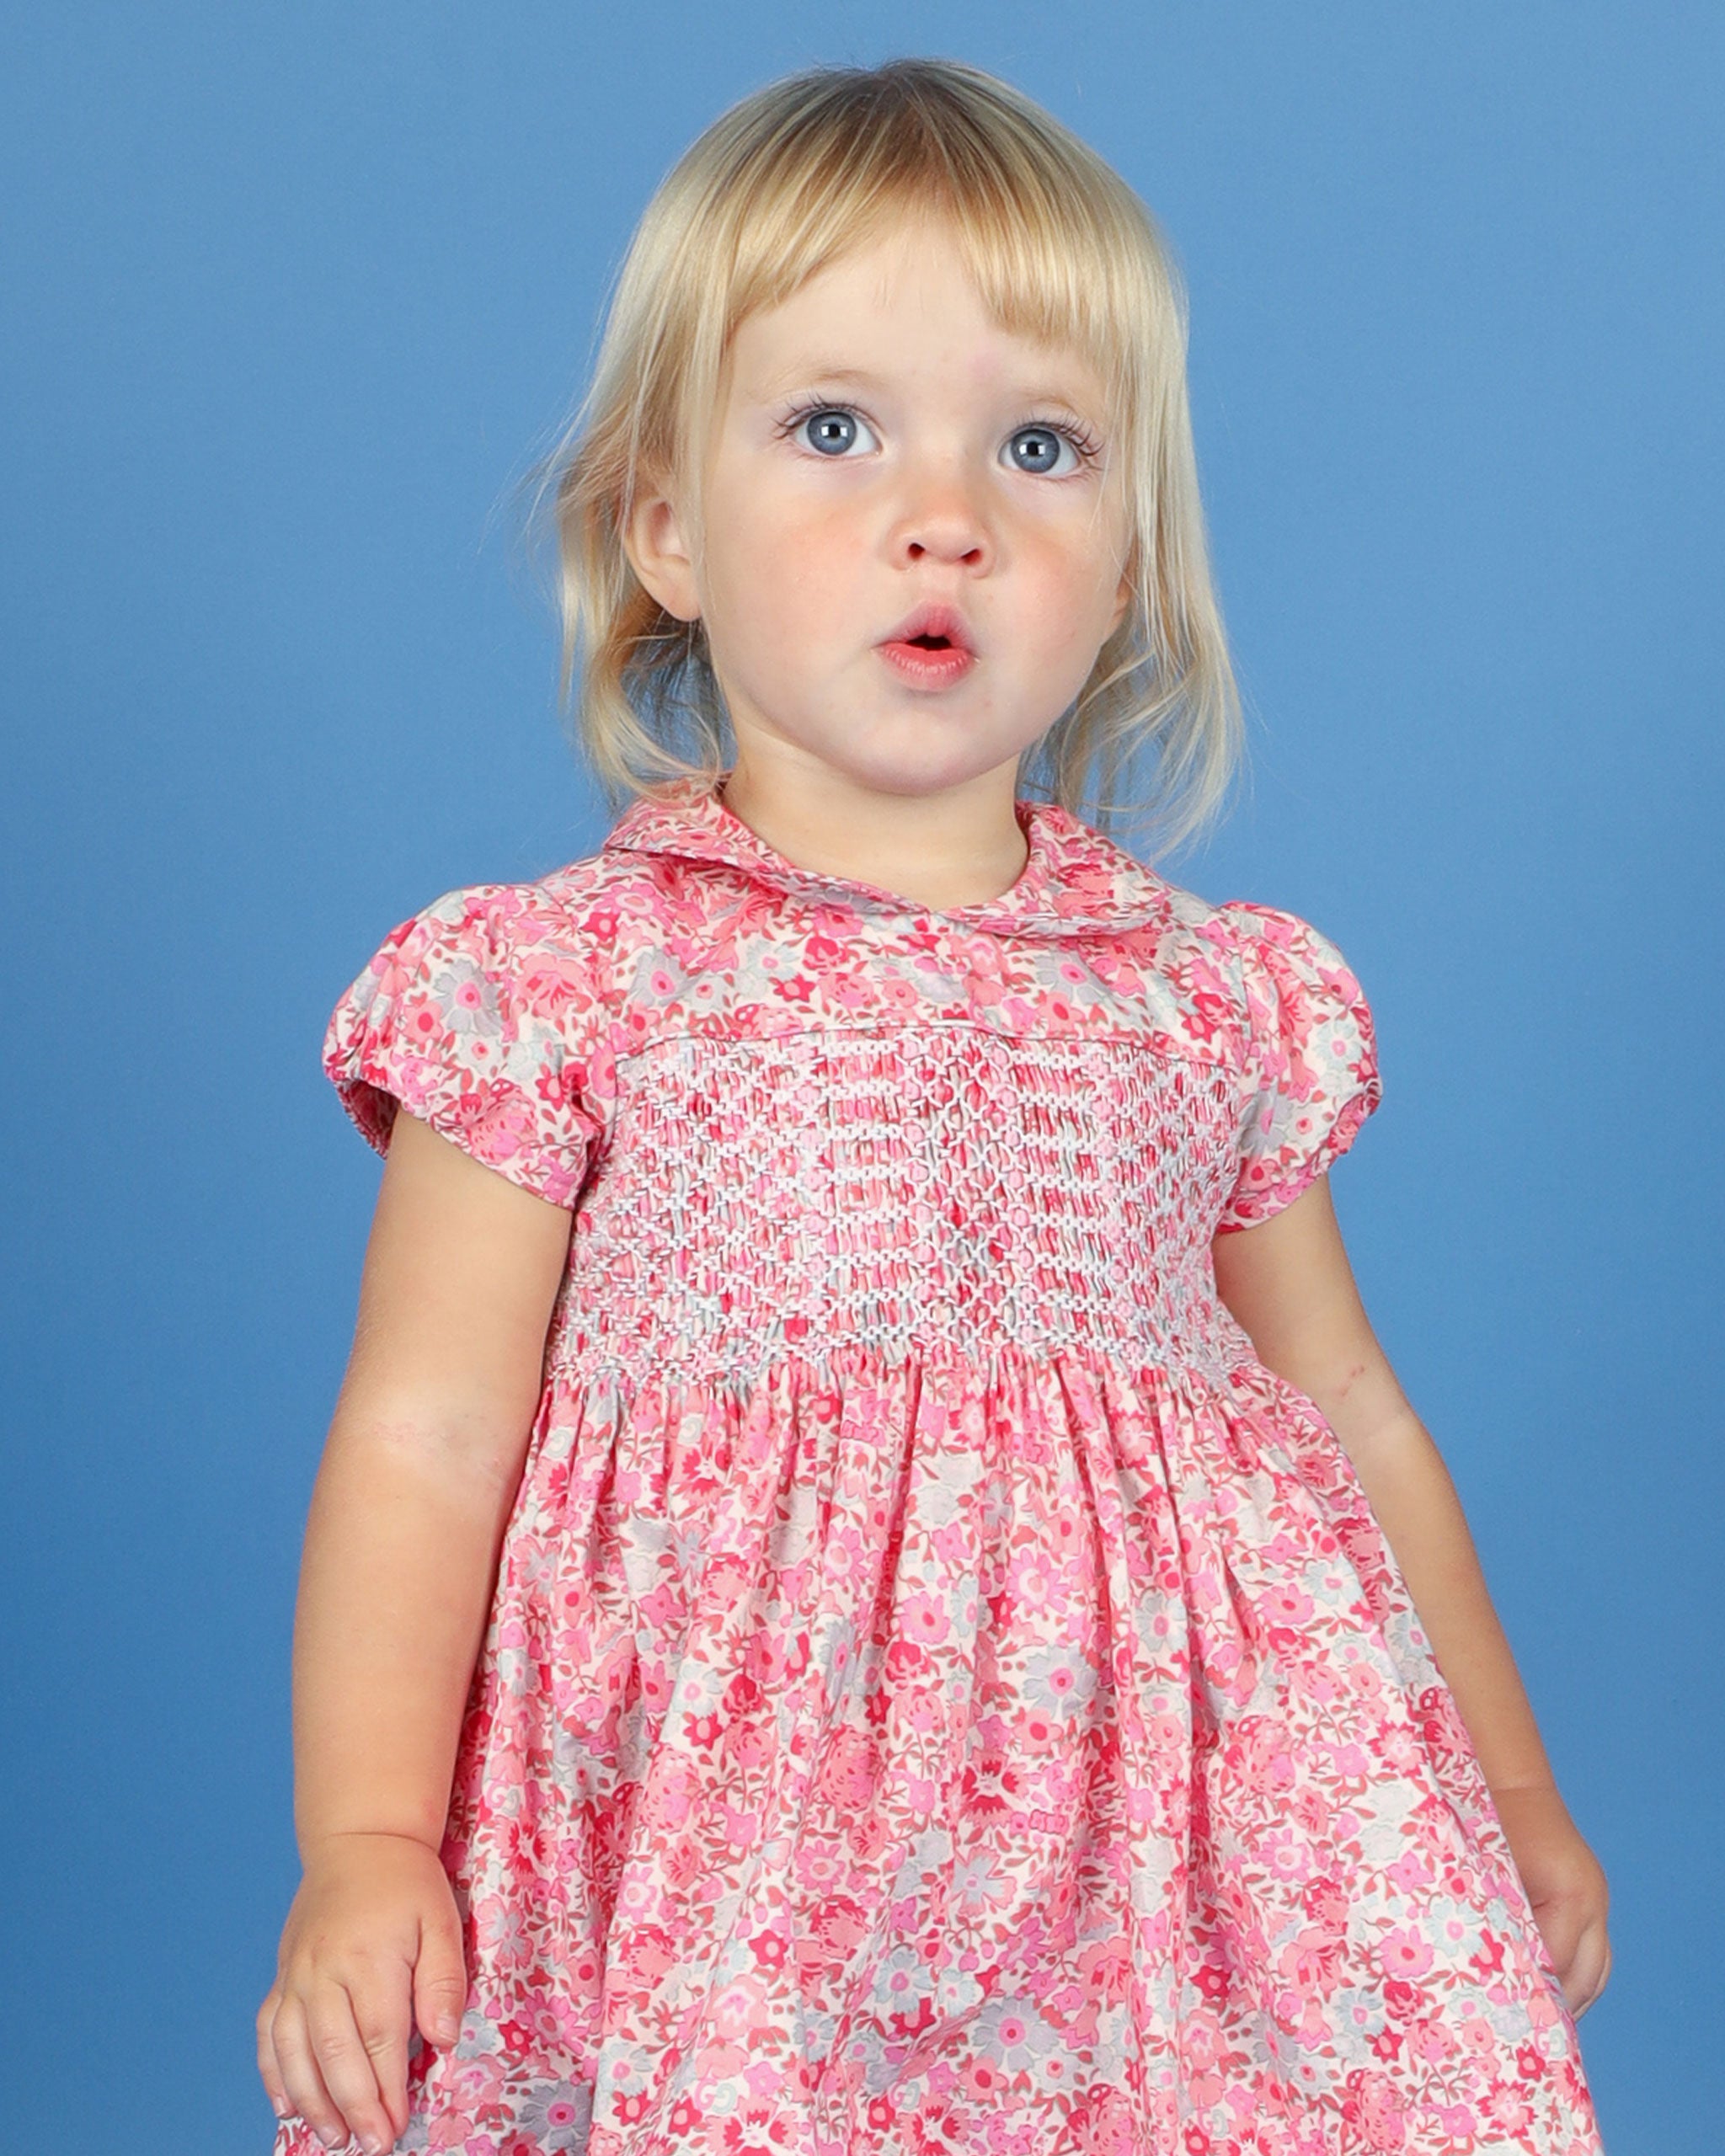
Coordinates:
(1566,1886)
(372,1942)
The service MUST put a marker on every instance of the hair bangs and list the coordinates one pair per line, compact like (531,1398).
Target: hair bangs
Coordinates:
(1046,237)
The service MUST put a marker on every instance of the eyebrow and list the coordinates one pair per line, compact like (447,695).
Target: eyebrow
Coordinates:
(789,378)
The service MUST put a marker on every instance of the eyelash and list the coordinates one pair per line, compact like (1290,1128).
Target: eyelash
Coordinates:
(1085,445)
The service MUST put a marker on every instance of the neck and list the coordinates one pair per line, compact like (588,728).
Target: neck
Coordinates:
(961,846)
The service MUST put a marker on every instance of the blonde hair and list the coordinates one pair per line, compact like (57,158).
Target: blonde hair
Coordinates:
(1061,250)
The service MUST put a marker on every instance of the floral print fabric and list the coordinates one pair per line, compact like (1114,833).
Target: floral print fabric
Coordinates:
(943,1693)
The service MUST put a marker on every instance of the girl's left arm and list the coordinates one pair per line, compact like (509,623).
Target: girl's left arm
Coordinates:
(1289,1283)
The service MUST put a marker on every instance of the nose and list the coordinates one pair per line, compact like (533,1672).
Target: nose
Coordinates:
(942,520)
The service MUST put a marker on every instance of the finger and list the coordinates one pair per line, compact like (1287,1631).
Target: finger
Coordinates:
(300,2080)
(383,2014)
(1594,1965)
(346,2065)
(441,1980)
(268,2068)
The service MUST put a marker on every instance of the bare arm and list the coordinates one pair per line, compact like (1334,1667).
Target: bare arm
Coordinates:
(419,1471)
(1289,1283)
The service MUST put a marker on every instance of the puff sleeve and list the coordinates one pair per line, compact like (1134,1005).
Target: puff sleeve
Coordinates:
(460,1020)
(1312,1077)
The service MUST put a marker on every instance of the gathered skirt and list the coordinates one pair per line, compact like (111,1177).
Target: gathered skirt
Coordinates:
(1032,1755)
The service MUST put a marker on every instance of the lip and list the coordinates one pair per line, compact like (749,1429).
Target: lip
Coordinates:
(930,620)
(922,666)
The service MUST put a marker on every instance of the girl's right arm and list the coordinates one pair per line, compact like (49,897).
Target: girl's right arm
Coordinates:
(419,1472)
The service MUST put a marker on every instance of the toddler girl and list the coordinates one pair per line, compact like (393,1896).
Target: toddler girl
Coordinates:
(871,1587)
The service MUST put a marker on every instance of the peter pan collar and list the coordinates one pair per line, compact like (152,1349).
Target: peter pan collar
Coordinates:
(1077,881)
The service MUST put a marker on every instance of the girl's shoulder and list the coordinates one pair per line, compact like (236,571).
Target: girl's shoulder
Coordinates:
(1274,951)
(581,911)
(487,1013)
(1306,1044)
(1257,956)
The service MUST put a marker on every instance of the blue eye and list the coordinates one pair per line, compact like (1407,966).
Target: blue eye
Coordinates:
(831,428)
(835,430)
(1037,449)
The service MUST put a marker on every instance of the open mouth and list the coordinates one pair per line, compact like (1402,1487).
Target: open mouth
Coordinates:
(927,655)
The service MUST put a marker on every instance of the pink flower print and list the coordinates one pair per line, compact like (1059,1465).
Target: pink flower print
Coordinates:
(1410,1872)
(750,1746)
(1312,1812)
(1287,1605)
(924,1618)
(1059,1679)
(1506,2111)
(869,1836)
(422,1023)
(985,2079)
(740,1826)
(836,1927)
(1311,1962)
(977,1885)
(1104,2125)
(1380,2121)
(554,2111)
(468,998)
(1259,1757)
(1032,1579)
(1430,2040)
(1404,1952)
(496,1124)
(550,983)
(1285,1856)
(904,1662)
(1038,1730)
(643,1955)
(1016,2033)
(1488,1961)
(501,1927)
(1396,1748)
(738,2008)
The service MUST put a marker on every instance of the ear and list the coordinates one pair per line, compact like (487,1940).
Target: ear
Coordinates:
(653,539)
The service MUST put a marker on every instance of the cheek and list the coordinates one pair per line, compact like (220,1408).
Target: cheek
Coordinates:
(783,561)
(1070,584)
(808,573)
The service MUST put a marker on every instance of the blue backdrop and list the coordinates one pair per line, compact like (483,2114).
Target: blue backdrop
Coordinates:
(295,293)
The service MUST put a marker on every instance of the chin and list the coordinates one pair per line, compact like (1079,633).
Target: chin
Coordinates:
(942,756)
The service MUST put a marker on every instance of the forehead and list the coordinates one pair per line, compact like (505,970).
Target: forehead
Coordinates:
(892,305)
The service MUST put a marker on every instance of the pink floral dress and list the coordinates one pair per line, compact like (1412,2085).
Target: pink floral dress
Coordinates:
(943,1693)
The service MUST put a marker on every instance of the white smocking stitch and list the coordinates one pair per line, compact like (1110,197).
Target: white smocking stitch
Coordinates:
(902,1191)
